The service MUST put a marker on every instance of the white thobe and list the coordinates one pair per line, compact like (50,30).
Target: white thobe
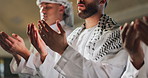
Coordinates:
(76,61)
(33,68)
(96,54)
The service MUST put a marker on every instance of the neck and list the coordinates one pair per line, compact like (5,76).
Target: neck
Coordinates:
(93,20)
(52,22)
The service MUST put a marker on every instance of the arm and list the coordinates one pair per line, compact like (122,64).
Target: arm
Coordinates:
(131,42)
(142,27)
(45,59)
(15,46)
(136,32)
(73,64)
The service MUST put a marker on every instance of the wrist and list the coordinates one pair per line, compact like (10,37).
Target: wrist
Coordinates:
(43,56)
(17,58)
(62,51)
(138,65)
(137,61)
(25,54)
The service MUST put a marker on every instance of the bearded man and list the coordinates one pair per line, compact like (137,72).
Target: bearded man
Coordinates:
(93,50)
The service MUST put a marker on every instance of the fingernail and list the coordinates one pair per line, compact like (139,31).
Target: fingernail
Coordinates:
(132,23)
(121,27)
(14,34)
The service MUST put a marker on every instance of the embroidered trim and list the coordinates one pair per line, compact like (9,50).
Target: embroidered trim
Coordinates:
(113,41)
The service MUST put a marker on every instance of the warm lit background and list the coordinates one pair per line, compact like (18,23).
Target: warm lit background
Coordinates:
(16,14)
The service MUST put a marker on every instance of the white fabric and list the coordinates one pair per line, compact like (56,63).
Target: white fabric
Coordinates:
(134,72)
(15,68)
(143,72)
(77,63)
(33,68)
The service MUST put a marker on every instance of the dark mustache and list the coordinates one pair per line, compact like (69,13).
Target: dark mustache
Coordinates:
(81,2)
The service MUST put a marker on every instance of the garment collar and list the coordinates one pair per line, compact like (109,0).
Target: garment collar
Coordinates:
(105,22)
(54,25)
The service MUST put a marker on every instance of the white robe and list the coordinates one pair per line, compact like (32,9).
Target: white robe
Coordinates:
(33,68)
(78,60)
(96,53)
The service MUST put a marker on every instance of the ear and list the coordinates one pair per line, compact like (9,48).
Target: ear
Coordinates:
(102,2)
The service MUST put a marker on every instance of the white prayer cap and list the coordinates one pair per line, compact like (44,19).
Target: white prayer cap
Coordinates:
(68,9)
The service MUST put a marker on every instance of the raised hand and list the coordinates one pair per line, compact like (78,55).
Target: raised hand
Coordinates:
(131,42)
(142,27)
(55,40)
(36,41)
(14,45)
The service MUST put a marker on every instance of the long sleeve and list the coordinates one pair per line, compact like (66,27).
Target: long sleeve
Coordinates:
(17,68)
(130,71)
(25,69)
(73,65)
(142,72)
(46,69)
(34,67)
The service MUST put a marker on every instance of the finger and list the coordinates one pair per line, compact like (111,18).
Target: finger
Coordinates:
(130,32)
(5,36)
(145,19)
(28,31)
(121,27)
(17,37)
(5,42)
(43,34)
(34,27)
(3,45)
(137,45)
(144,38)
(36,36)
(37,39)
(130,37)
(124,31)
(141,26)
(60,27)
(33,34)
(48,27)
(39,27)
(42,26)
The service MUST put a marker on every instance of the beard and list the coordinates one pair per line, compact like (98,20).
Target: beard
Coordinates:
(90,10)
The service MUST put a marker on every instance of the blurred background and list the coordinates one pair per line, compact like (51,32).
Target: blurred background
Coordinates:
(16,14)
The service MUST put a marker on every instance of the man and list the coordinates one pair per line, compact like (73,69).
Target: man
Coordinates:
(93,50)
(30,65)
(134,36)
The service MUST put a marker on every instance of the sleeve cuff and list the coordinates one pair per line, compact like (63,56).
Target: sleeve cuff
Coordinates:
(17,68)
(131,71)
(30,67)
(66,56)
(48,62)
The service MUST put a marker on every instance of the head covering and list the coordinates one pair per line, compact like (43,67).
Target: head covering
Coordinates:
(68,9)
